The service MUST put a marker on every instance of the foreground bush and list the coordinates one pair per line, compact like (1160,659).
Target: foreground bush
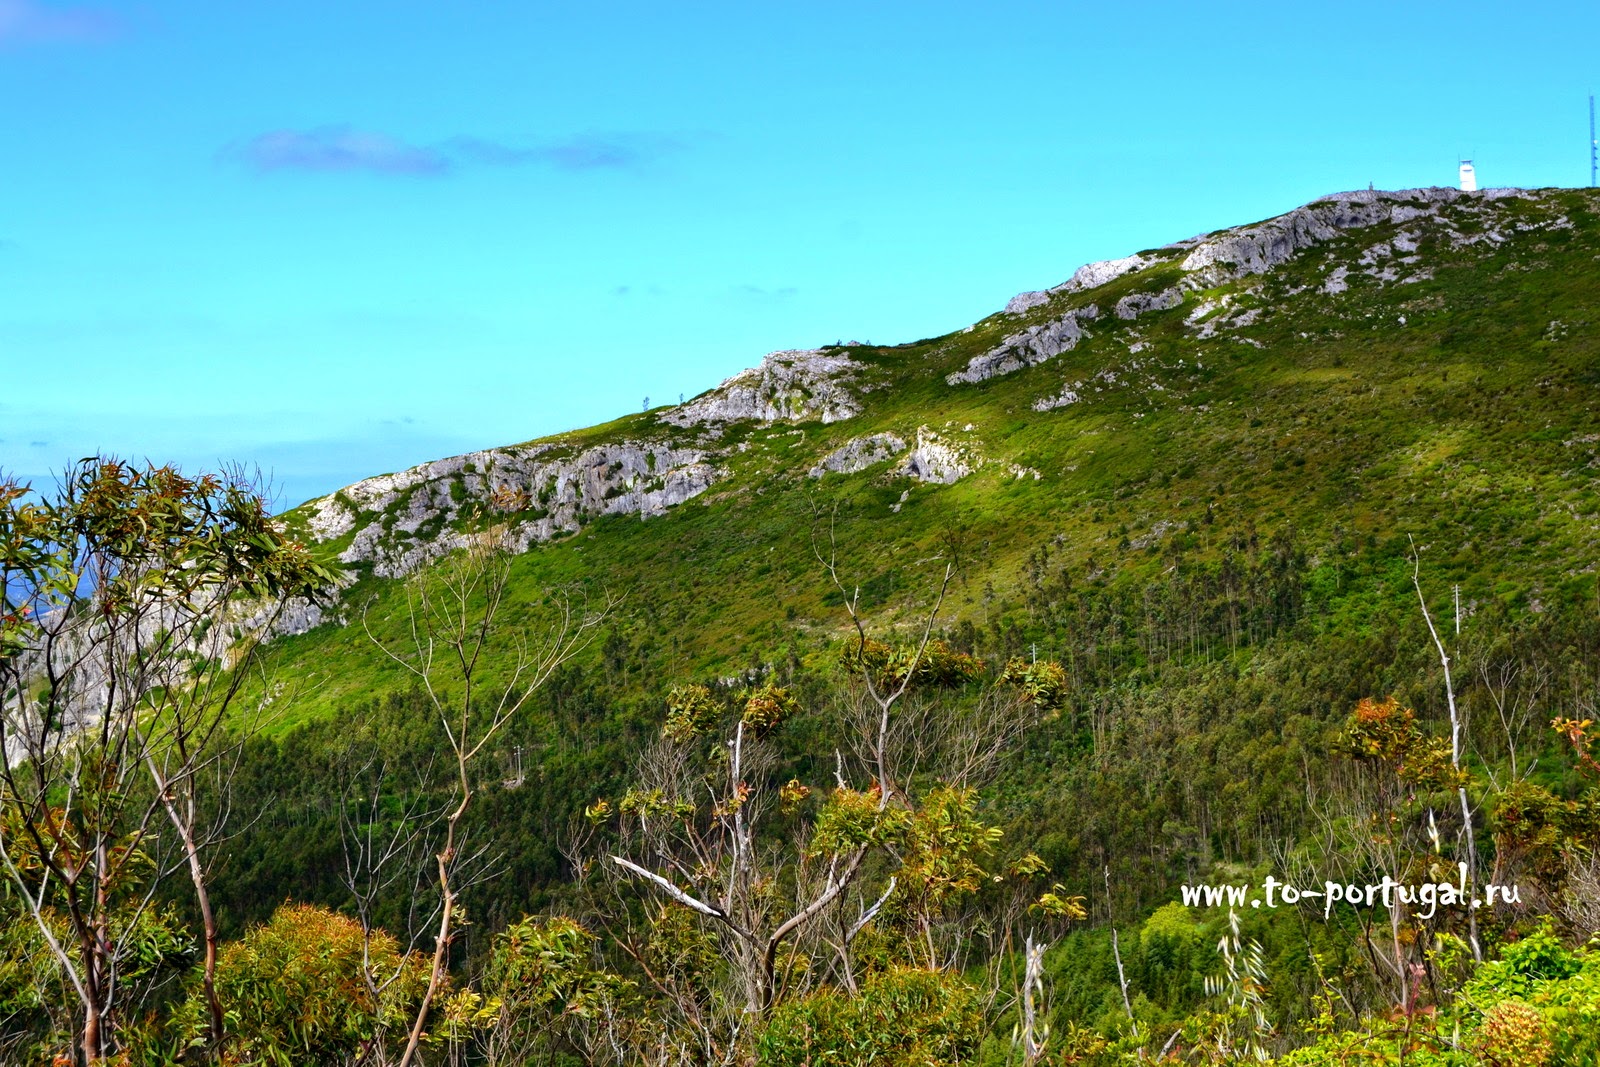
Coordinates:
(1536,1006)
(308,987)
(900,1018)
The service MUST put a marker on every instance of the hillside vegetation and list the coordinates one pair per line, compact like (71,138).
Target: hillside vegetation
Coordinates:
(1362,371)
(1136,563)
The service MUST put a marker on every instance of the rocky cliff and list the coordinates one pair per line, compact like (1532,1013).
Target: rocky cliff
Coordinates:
(795,386)
(396,522)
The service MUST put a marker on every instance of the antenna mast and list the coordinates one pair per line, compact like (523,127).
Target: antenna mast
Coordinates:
(1594,146)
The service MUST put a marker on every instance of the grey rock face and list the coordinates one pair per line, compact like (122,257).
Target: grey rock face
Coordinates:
(1023,301)
(1135,304)
(404,520)
(296,617)
(1256,249)
(1068,395)
(1088,276)
(171,635)
(1028,347)
(859,454)
(935,460)
(804,385)
(1094,275)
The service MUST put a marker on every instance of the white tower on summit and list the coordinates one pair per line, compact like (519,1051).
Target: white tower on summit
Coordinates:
(1469,177)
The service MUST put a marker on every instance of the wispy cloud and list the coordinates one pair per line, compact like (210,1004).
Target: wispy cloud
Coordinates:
(337,148)
(27,21)
(344,148)
(585,152)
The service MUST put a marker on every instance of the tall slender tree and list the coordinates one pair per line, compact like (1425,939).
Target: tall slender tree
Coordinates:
(477,671)
(134,599)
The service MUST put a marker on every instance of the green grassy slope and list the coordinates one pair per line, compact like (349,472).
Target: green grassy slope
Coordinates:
(1452,404)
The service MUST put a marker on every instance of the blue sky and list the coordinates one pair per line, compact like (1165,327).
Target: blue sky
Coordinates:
(338,239)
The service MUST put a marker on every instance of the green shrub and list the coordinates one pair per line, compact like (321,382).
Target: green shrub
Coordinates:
(294,991)
(900,1018)
(540,976)
(1538,957)
(1513,1034)
(1571,1005)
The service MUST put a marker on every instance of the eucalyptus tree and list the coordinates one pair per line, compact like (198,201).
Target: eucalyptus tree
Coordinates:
(135,600)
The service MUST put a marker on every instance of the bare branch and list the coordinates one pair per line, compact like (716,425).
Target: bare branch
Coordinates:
(675,893)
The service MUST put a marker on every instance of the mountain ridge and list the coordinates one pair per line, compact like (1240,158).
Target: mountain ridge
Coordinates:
(814,385)
(1108,410)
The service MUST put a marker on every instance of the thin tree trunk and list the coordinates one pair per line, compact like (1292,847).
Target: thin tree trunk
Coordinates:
(1455,763)
(197,875)
(208,980)
(94,1022)
(1032,984)
(441,948)
(1116,951)
(91,1035)
(102,1025)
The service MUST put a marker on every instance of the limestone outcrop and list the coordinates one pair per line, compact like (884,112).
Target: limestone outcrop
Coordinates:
(1028,347)
(858,454)
(1135,304)
(1067,396)
(934,459)
(802,385)
(1212,259)
(1088,276)
(1246,250)
(403,520)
